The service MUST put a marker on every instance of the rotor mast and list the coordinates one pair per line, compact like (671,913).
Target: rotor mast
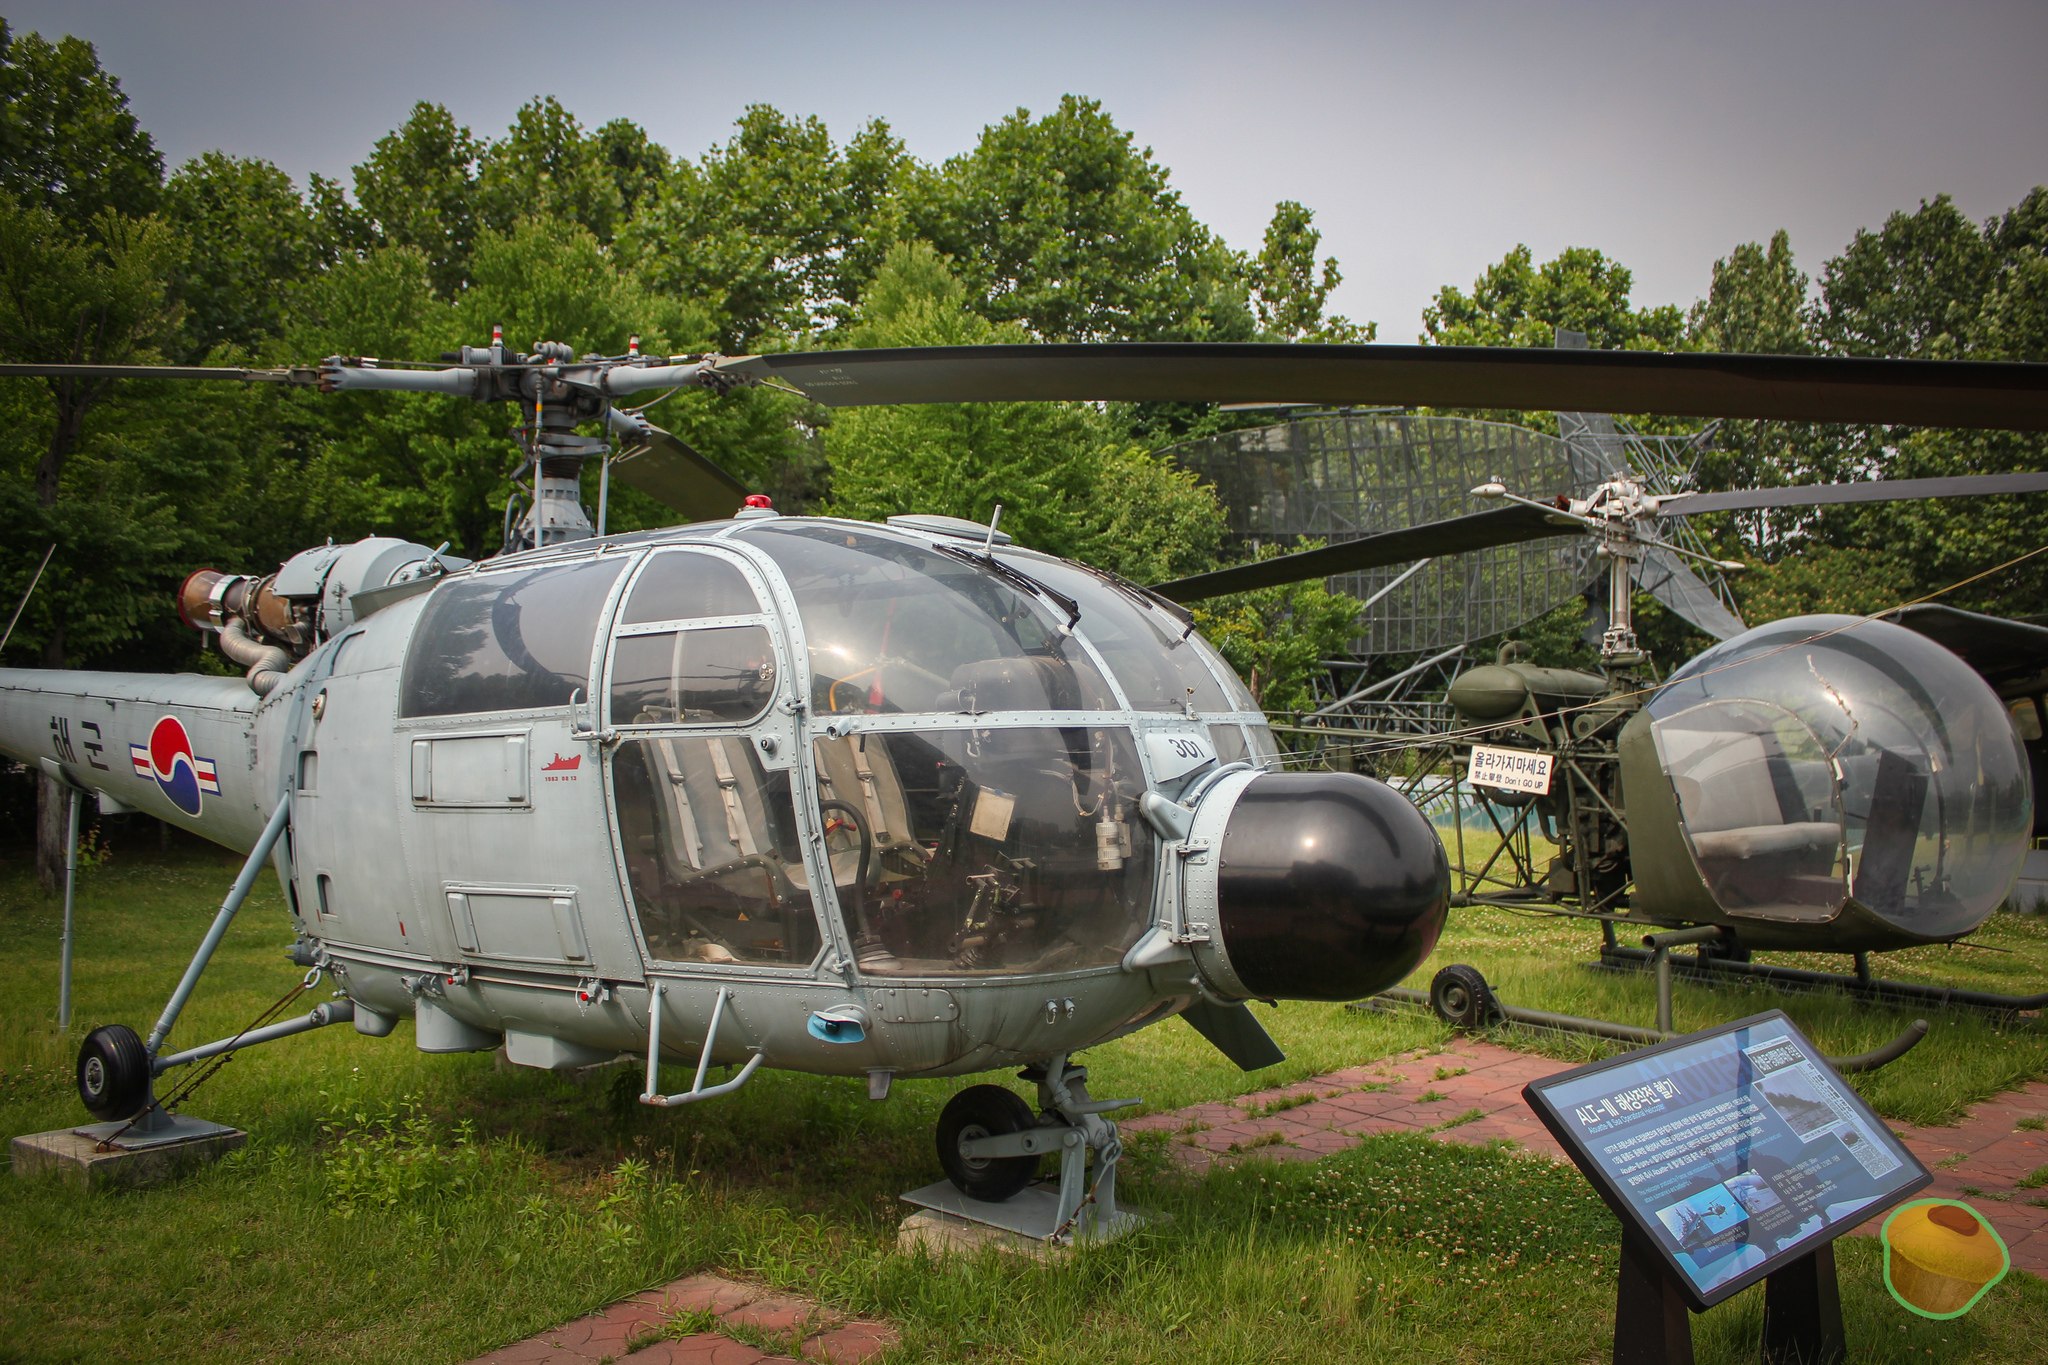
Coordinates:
(556,392)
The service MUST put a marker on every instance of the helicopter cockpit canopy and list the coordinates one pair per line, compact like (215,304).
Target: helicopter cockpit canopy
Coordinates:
(1821,758)
(980,812)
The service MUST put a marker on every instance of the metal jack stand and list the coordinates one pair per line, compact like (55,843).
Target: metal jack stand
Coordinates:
(1072,1210)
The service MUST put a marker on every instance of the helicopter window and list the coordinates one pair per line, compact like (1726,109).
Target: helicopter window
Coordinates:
(1229,742)
(1756,795)
(1934,777)
(722,675)
(506,641)
(1154,655)
(687,586)
(999,851)
(1265,749)
(892,626)
(2026,718)
(712,854)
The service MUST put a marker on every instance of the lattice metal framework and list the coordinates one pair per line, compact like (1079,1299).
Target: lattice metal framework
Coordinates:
(1342,476)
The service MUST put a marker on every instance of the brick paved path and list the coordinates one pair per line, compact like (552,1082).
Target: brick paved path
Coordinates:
(632,1331)
(1981,1160)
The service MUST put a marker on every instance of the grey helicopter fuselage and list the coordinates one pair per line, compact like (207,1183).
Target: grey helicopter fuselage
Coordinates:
(889,800)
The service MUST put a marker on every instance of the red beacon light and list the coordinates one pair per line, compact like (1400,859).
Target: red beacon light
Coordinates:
(760,500)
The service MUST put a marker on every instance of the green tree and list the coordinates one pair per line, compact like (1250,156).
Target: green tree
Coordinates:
(777,231)
(68,142)
(249,242)
(1517,303)
(1068,482)
(99,300)
(1063,225)
(1756,304)
(1289,294)
(419,187)
(1913,288)
(545,166)
(1274,636)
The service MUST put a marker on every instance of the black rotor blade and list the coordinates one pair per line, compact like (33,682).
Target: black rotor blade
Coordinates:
(669,470)
(2009,654)
(304,375)
(1878,490)
(1480,531)
(1937,393)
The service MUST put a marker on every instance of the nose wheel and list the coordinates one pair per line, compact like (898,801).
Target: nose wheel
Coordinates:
(990,1143)
(985,1111)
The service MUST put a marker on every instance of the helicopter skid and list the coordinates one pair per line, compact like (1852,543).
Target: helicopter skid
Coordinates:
(1873,989)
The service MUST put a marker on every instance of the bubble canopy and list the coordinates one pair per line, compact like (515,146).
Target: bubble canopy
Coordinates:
(1821,758)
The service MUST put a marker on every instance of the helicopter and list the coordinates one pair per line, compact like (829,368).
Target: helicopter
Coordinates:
(823,795)
(1816,784)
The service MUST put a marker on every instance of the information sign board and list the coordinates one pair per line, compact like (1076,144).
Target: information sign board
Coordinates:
(1733,1151)
(1515,770)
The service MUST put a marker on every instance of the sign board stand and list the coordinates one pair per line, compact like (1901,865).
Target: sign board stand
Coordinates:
(1653,1326)
(1730,1156)
(1803,1311)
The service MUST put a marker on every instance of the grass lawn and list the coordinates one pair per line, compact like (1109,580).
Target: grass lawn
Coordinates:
(394,1206)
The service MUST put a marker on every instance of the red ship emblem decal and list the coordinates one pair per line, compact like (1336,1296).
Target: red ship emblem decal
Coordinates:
(564,765)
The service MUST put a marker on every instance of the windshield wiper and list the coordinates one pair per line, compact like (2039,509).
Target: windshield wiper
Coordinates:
(1017,578)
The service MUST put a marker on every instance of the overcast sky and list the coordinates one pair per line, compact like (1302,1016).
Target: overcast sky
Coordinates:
(1428,139)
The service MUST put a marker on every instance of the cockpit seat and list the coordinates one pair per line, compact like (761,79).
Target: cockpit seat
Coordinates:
(718,837)
(857,769)
(1757,841)
(1027,682)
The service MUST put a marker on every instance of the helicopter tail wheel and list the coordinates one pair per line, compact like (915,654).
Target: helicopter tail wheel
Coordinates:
(985,1111)
(113,1072)
(1460,996)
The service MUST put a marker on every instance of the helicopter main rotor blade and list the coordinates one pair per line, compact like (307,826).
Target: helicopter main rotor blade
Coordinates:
(1937,393)
(1479,531)
(302,376)
(669,470)
(1877,490)
(1665,576)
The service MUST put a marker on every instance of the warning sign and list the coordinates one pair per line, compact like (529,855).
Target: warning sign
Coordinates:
(1515,770)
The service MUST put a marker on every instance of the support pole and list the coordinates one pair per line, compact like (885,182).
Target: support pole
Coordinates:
(258,855)
(604,493)
(70,892)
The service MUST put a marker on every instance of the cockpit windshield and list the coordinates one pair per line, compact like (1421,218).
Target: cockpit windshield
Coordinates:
(1869,759)
(894,626)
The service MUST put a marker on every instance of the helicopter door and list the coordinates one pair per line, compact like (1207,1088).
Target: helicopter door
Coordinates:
(1761,806)
(701,778)
(506,816)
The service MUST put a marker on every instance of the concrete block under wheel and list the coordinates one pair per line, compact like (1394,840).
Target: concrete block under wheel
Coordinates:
(72,1156)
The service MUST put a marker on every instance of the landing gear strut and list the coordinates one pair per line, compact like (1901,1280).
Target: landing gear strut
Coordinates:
(990,1144)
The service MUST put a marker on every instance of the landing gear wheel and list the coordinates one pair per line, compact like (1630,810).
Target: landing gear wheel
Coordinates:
(1460,996)
(985,1111)
(113,1073)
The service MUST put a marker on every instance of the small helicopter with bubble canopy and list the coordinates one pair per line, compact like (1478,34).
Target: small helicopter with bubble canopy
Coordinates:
(881,801)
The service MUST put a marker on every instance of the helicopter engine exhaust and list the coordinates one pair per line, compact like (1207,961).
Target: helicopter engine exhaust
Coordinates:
(1321,886)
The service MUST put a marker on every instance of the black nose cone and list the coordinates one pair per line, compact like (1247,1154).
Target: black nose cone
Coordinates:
(1331,887)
